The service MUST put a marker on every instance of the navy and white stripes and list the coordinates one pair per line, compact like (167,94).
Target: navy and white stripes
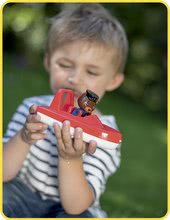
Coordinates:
(39,170)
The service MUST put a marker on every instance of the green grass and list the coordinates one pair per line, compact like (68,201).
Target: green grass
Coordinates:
(139,188)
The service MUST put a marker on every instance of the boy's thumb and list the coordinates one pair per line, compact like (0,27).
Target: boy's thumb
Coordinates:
(32,109)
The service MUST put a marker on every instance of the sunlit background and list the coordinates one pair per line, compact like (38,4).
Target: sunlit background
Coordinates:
(139,188)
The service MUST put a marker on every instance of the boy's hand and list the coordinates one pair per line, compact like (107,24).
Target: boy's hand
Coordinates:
(33,128)
(72,148)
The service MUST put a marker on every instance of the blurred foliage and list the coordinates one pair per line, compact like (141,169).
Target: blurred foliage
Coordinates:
(26,25)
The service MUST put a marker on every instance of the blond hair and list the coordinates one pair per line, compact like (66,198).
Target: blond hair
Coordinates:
(90,23)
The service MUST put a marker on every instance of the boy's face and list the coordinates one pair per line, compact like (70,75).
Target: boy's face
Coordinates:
(80,66)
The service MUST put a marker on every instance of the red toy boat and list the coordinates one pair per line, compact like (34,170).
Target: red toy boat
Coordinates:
(60,110)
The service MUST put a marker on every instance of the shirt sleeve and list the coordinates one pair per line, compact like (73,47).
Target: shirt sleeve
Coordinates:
(17,121)
(102,164)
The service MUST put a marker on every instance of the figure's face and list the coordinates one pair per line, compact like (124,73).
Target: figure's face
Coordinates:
(86,104)
(79,66)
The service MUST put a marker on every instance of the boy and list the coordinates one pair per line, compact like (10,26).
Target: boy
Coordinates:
(44,173)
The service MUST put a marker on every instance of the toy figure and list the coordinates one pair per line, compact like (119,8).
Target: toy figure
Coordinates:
(87,102)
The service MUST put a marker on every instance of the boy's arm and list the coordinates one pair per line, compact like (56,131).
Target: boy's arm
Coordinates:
(75,192)
(16,149)
(14,152)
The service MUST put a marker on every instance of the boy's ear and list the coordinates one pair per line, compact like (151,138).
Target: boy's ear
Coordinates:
(115,82)
(46,62)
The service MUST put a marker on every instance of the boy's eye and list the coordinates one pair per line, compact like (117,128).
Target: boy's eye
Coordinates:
(64,65)
(92,73)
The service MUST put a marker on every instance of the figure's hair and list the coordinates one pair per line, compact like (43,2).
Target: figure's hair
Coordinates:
(90,23)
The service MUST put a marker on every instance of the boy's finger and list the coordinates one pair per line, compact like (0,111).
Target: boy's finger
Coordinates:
(91,147)
(38,136)
(57,131)
(32,109)
(33,118)
(78,140)
(36,126)
(66,135)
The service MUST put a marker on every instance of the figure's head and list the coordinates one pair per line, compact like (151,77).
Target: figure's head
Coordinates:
(86,49)
(88,101)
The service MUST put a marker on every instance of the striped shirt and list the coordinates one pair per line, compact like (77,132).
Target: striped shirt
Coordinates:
(39,170)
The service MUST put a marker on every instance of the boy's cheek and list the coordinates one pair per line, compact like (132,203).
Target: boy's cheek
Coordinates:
(54,84)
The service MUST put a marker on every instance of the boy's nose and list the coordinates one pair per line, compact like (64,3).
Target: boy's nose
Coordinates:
(75,78)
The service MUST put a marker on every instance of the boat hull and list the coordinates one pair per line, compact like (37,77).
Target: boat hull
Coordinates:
(86,136)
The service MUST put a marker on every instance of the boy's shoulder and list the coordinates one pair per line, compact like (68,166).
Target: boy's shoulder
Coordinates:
(38,100)
(109,120)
